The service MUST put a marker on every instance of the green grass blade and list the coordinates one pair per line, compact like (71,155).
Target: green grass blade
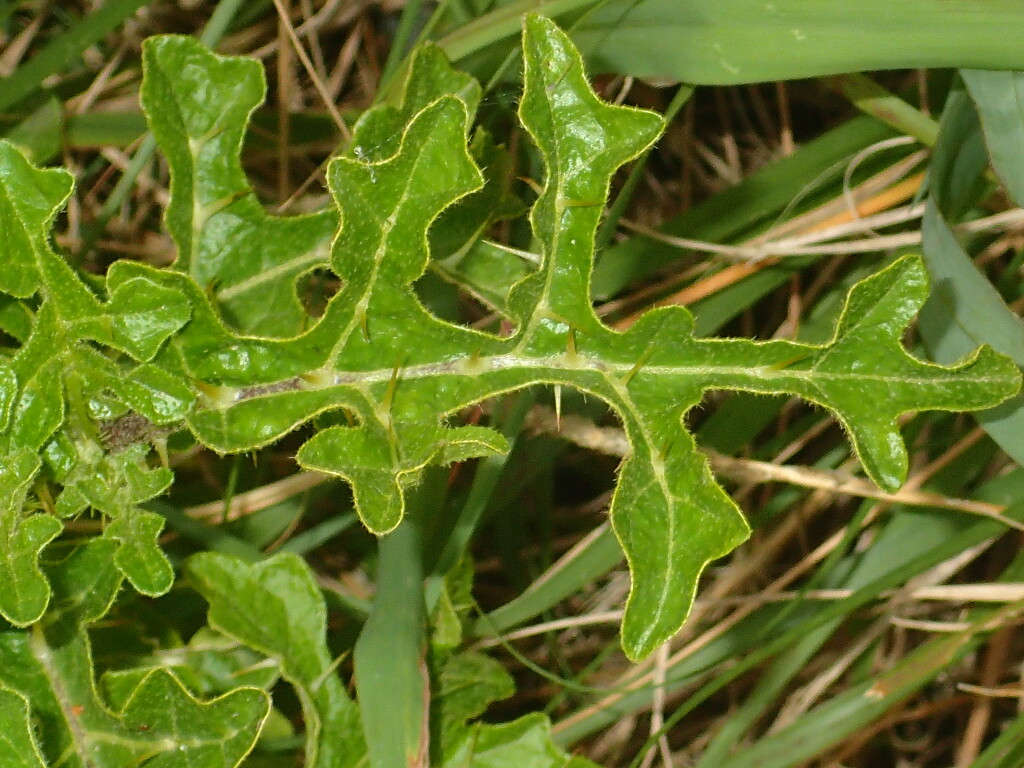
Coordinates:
(768,688)
(872,99)
(220,21)
(857,707)
(1007,751)
(320,534)
(965,309)
(746,41)
(211,35)
(503,23)
(914,542)
(400,43)
(446,553)
(790,663)
(973,309)
(999,97)
(390,662)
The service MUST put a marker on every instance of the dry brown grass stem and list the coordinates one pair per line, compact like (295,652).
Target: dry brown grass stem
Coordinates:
(314,77)
(658,711)
(801,700)
(954,594)
(121,160)
(890,187)
(286,91)
(882,192)
(14,50)
(1002,692)
(817,243)
(334,13)
(840,483)
(259,498)
(993,666)
(106,78)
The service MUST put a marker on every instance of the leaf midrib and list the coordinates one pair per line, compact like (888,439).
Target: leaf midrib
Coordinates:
(544,370)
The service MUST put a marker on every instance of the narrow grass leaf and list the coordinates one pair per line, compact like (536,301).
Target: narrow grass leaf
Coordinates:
(965,309)
(747,41)
(999,97)
(390,657)
(827,725)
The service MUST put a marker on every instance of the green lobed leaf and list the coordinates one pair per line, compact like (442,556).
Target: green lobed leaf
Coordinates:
(38,407)
(468,682)
(216,733)
(198,105)
(18,745)
(24,591)
(274,607)
(139,556)
(526,741)
(29,201)
(59,392)
(139,315)
(366,458)
(397,371)
(250,261)
(116,483)
(378,133)
(95,375)
(153,719)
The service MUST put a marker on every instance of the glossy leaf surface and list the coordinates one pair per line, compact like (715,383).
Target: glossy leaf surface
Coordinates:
(199,105)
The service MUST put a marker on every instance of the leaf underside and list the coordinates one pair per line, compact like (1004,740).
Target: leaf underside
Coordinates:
(219,344)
